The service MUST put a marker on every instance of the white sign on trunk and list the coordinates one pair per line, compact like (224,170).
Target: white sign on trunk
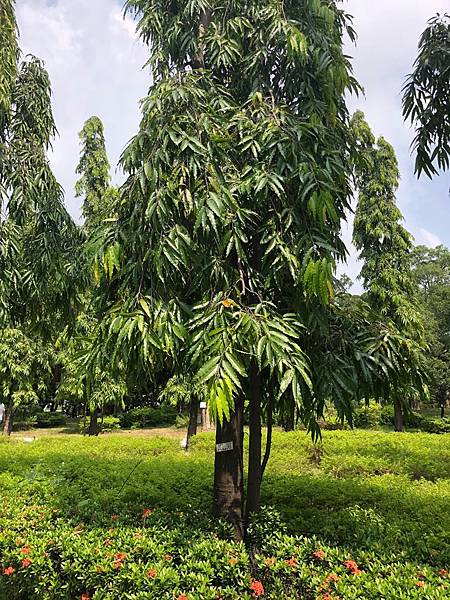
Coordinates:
(224,447)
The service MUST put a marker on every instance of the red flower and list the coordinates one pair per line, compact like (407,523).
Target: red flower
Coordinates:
(8,571)
(332,577)
(25,550)
(443,572)
(319,554)
(151,573)
(120,556)
(146,512)
(291,562)
(115,517)
(182,597)
(26,562)
(232,561)
(352,567)
(86,596)
(420,583)
(257,588)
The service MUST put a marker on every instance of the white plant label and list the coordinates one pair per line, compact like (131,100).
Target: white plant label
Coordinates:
(224,447)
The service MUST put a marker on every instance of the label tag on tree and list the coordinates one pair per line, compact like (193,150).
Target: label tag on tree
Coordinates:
(224,447)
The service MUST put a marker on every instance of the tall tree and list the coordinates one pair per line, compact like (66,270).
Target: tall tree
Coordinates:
(97,387)
(229,221)
(426,98)
(384,244)
(38,239)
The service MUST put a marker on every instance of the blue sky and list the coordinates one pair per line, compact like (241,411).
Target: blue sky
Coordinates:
(95,64)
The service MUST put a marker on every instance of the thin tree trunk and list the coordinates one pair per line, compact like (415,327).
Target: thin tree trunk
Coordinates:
(398,416)
(229,471)
(93,422)
(289,424)
(193,414)
(255,442)
(9,418)
(269,432)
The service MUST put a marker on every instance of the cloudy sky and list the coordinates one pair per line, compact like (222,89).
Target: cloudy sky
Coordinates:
(95,64)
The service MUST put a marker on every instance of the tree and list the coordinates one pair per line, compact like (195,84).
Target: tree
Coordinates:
(431,270)
(94,183)
(38,239)
(229,222)
(426,98)
(384,244)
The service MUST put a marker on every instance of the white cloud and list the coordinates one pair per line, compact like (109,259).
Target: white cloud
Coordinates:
(95,64)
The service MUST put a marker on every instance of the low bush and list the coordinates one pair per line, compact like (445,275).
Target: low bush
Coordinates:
(110,423)
(148,416)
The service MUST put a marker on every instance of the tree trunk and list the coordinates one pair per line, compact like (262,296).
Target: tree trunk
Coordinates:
(289,424)
(9,418)
(442,409)
(254,449)
(229,472)
(269,432)
(93,422)
(398,416)
(193,414)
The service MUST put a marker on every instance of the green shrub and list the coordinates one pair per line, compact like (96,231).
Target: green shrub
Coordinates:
(50,419)
(367,416)
(148,416)
(110,423)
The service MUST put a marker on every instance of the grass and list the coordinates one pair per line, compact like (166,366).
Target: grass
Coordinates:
(380,497)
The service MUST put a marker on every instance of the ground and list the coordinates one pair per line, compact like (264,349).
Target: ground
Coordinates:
(379,500)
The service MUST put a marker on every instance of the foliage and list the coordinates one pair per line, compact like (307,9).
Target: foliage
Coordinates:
(70,507)
(9,54)
(43,420)
(426,99)
(192,271)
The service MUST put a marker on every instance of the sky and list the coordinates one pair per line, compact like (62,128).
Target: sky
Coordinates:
(95,62)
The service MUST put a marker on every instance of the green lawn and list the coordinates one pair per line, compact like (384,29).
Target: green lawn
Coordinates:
(380,499)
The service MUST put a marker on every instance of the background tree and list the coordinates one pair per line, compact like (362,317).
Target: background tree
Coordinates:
(431,270)
(426,98)
(38,240)
(25,370)
(384,244)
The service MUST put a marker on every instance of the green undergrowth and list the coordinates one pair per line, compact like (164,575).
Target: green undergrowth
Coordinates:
(114,517)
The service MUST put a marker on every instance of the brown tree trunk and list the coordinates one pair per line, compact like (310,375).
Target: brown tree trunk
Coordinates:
(254,448)
(193,414)
(9,418)
(289,424)
(228,470)
(93,422)
(398,416)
